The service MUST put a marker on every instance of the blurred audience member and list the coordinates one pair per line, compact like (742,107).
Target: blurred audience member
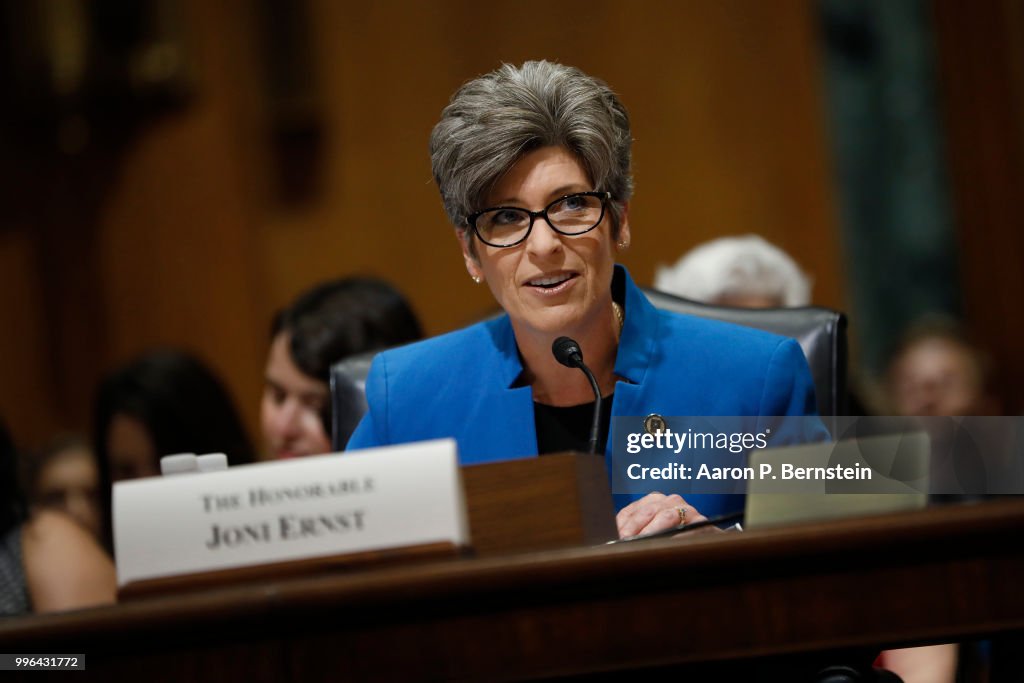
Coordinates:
(926,664)
(322,326)
(936,370)
(64,477)
(48,562)
(163,402)
(742,271)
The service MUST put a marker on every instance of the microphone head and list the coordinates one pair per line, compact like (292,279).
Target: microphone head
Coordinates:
(567,352)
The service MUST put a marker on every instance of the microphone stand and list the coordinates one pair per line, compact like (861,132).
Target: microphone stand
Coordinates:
(568,353)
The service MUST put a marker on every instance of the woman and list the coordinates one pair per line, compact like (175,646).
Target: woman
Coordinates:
(163,402)
(48,563)
(745,271)
(330,322)
(64,476)
(533,166)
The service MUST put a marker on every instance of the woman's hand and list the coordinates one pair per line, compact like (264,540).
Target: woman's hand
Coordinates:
(65,568)
(655,512)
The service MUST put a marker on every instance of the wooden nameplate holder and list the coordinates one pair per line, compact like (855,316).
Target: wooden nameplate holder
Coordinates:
(555,501)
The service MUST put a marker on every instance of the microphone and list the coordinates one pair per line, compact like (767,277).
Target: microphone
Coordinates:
(568,353)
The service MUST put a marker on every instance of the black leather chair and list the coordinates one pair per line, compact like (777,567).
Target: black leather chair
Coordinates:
(348,396)
(821,333)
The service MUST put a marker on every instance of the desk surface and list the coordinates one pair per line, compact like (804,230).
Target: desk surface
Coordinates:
(938,574)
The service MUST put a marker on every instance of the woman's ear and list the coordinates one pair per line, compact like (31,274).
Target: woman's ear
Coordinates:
(465,238)
(622,243)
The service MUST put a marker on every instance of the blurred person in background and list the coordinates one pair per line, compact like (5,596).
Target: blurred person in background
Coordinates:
(325,324)
(64,476)
(161,403)
(48,562)
(936,370)
(745,271)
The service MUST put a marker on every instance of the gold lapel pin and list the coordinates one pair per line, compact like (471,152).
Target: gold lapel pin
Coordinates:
(654,424)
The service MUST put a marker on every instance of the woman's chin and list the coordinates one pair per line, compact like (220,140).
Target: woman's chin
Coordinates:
(551,321)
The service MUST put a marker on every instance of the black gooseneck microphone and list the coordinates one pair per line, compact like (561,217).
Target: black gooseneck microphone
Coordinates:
(568,353)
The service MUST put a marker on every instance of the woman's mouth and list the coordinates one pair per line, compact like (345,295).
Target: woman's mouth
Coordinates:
(551,284)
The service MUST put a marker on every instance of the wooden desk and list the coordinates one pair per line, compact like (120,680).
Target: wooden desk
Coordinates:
(939,574)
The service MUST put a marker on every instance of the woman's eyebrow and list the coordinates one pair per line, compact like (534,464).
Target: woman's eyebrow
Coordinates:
(554,194)
(567,189)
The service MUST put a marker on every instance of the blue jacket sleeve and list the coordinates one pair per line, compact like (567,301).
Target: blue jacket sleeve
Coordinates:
(788,388)
(372,429)
(789,392)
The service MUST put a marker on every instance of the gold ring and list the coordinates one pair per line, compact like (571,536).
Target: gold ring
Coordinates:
(682,515)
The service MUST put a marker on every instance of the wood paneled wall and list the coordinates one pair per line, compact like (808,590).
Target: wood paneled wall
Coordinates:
(982,67)
(189,245)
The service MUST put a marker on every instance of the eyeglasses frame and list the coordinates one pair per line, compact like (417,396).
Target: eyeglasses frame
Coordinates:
(543,213)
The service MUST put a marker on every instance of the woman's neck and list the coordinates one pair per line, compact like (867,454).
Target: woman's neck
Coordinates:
(557,385)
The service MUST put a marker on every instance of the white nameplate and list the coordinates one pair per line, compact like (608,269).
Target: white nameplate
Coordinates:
(288,510)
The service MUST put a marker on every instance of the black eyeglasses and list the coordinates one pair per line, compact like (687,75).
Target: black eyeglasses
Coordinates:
(507,226)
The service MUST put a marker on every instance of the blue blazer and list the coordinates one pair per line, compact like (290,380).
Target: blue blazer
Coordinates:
(461,384)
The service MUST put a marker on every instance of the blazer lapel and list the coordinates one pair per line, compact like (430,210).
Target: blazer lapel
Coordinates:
(635,356)
(504,427)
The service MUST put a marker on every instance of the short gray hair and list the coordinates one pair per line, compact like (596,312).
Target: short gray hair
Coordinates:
(495,119)
(746,265)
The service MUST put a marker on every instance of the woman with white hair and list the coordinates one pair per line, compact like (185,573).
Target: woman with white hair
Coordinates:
(744,271)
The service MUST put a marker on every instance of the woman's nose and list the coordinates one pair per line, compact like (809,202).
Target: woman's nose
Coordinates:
(543,239)
(289,418)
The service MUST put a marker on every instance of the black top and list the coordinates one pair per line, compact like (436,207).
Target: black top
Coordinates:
(568,429)
(14,597)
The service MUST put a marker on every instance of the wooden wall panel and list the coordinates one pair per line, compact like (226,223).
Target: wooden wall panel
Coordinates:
(194,248)
(981,48)
(27,404)
(727,119)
